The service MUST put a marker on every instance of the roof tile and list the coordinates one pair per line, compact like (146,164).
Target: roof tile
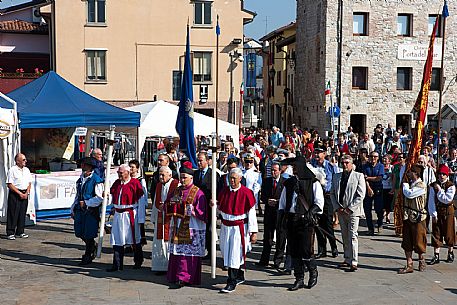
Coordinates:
(21,26)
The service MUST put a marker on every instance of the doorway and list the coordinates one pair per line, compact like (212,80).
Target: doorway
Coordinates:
(404,121)
(358,123)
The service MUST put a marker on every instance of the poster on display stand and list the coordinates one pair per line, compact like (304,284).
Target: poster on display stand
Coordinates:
(7,122)
(56,192)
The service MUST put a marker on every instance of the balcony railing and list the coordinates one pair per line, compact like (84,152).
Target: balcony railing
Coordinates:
(19,75)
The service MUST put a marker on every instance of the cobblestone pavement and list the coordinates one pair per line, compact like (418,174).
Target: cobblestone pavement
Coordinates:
(43,269)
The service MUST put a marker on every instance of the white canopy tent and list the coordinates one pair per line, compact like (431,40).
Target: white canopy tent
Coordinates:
(159,119)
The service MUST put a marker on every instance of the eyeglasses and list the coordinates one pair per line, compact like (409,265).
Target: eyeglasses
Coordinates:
(249,161)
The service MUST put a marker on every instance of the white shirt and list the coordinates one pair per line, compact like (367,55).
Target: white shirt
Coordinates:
(19,177)
(444,197)
(164,192)
(253,181)
(428,176)
(318,198)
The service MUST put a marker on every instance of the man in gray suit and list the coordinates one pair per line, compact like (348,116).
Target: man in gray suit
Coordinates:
(347,193)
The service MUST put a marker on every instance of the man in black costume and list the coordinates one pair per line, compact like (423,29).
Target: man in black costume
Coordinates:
(301,199)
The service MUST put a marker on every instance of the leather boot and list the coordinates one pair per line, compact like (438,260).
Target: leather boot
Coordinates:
(312,278)
(297,285)
(450,257)
(435,259)
(313,274)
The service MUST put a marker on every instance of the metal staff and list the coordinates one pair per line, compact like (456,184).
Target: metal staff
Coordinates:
(105,189)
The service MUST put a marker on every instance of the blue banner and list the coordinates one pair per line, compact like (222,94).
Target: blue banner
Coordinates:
(445,10)
(185,119)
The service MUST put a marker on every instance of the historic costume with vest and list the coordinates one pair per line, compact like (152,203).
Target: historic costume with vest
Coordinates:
(441,209)
(86,219)
(301,199)
(414,215)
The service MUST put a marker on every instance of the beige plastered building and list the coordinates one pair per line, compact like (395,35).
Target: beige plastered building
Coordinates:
(131,52)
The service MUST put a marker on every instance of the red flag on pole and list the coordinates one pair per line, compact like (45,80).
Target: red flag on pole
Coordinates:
(420,112)
(327,89)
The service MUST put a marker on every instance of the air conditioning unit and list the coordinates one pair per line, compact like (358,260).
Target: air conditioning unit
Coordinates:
(36,15)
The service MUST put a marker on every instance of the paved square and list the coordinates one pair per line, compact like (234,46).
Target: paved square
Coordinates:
(43,269)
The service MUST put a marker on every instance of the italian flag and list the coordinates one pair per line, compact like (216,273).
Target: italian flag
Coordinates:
(327,89)
(242,88)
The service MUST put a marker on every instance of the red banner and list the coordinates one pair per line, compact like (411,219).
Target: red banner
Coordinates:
(420,111)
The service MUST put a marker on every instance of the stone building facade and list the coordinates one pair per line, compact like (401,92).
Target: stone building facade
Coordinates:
(384,44)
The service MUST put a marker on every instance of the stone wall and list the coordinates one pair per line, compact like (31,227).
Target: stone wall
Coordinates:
(377,51)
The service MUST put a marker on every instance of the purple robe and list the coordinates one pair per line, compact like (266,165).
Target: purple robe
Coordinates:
(185,259)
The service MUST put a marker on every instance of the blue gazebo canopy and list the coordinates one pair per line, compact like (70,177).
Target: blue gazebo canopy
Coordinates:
(52,102)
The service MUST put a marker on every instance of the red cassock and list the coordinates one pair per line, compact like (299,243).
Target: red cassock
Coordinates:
(124,197)
(235,207)
(236,203)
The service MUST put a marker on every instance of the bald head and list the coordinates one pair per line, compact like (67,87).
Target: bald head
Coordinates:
(20,160)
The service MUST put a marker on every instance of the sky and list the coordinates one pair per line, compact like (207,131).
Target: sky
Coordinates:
(271,14)
(6,3)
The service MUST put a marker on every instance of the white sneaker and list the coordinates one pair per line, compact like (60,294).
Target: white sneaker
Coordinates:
(23,235)
(11,237)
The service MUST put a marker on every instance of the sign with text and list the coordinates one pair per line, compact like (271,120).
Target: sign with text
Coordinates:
(81,131)
(410,51)
(56,192)
(6,122)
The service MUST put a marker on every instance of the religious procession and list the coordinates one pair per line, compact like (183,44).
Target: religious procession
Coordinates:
(103,204)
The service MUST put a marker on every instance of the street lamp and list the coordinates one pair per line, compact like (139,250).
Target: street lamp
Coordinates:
(271,76)
(286,99)
(234,56)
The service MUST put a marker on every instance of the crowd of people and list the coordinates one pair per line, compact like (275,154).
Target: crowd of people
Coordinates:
(303,184)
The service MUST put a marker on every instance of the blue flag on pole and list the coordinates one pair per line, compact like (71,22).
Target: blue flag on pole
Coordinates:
(185,120)
(445,10)
(218,28)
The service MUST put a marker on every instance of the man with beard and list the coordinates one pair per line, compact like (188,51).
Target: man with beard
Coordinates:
(301,199)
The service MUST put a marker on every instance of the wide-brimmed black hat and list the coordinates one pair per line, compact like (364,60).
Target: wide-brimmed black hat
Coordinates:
(89,161)
(299,163)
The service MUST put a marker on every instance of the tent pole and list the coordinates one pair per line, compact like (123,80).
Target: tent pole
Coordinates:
(16,147)
(87,143)
(105,190)
(213,208)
